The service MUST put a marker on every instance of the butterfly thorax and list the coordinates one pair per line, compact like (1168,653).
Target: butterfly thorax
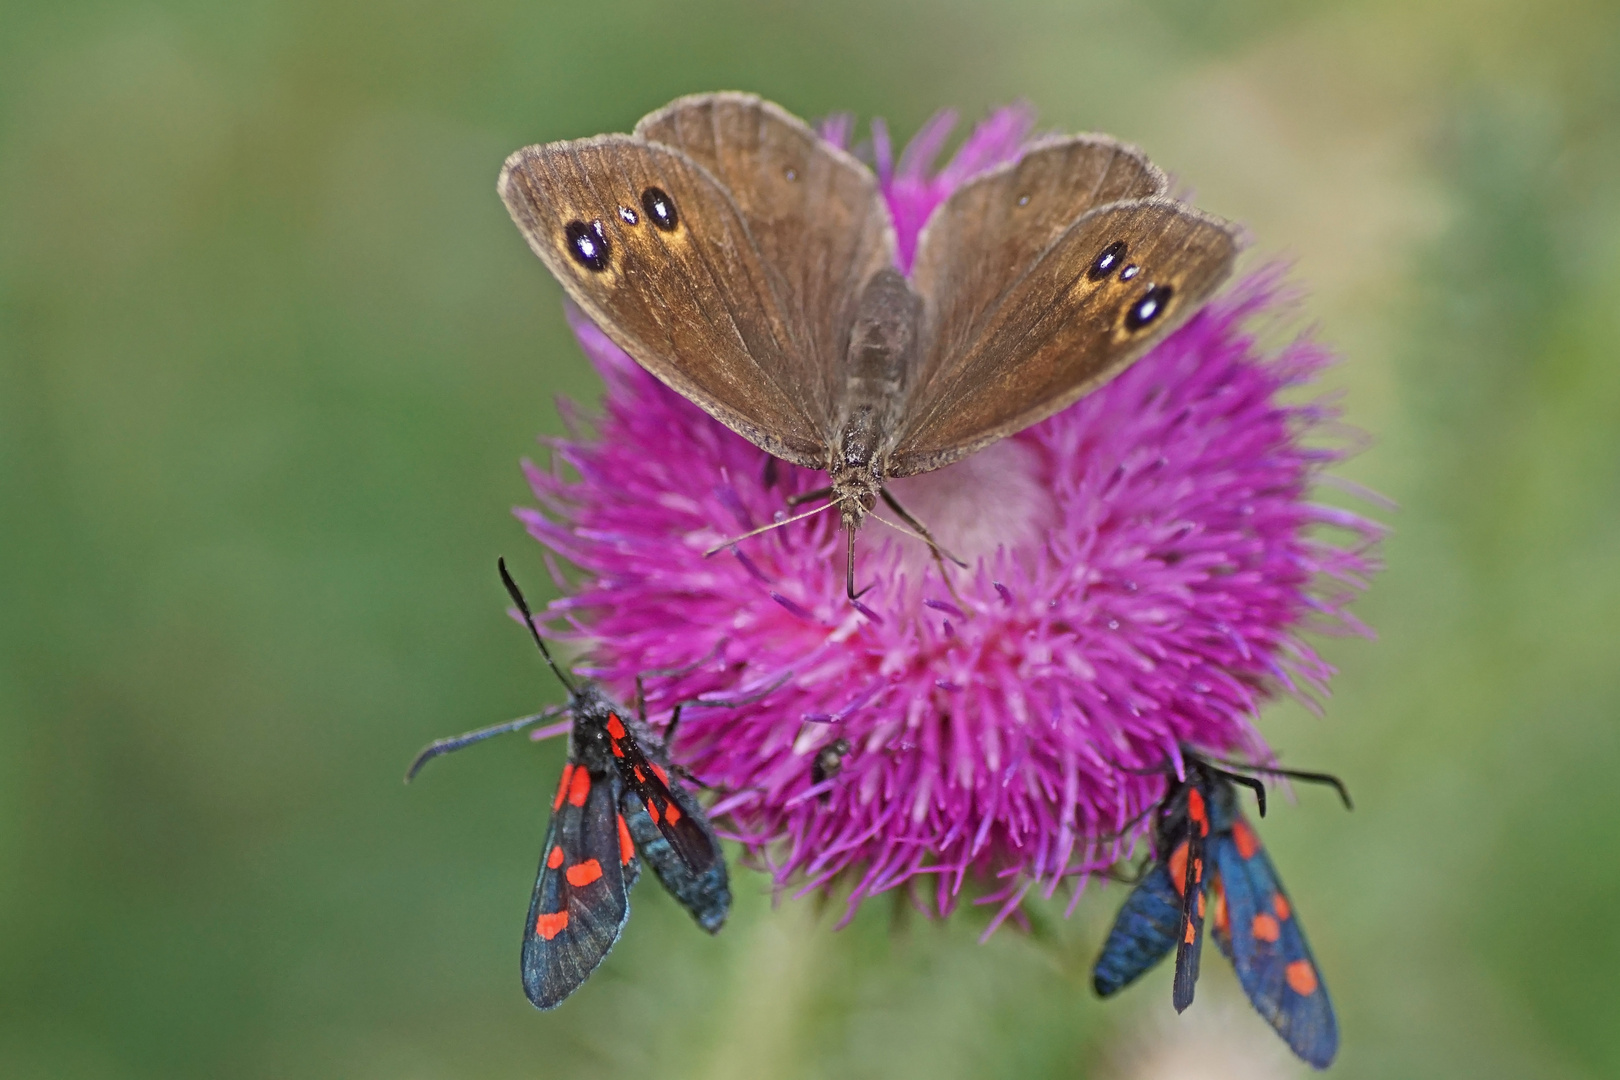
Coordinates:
(881,353)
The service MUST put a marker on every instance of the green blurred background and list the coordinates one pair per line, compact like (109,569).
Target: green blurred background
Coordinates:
(270,352)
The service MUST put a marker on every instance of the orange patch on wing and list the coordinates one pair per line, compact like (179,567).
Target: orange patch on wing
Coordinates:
(652,811)
(1301,978)
(1220,908)
(1178,867)
(1265,928)
(582,874)
(1245,839)
(580,786)
(1198,870)
(672,814)
(1192,933)
(615,726)
(1196,810)
(554,860)
(562,786)
(1279,904)
(662,775)
(627,847)
(640,776)
(549,926)
(1200,905)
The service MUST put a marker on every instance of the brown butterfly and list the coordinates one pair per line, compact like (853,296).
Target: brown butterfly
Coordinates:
(750,265)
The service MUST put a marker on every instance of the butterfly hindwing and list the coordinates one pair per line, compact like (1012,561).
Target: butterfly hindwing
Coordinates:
(1268,949)
(582,894)
(1144,932)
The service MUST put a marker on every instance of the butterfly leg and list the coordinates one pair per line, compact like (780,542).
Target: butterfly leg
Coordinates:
(849,568)
(808,496)
(921,530)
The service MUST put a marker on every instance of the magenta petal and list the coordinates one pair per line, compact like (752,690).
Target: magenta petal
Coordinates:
(1143,565)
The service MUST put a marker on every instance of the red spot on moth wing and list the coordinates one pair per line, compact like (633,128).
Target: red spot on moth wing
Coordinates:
(1198,870)
(652,811)
(615,726)
(1243,836)
(582,874)
(1178,867)
(1265,928)
(618,751)
(580,787)
(549,926)
(662,775)
(641,777)
(1279,904)
(1301,978)
(562,786)
(1196,810)
(672,814)
(1220,908)
(627,847)
(1200,905)
(554,860)
(1192,932)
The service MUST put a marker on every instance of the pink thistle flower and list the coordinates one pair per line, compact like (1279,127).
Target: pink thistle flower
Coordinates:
(1142,567)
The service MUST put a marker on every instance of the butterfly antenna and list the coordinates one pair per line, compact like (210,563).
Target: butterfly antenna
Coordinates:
(528,620)
(766,528)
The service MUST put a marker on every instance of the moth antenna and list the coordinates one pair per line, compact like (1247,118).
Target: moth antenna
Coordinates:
(1326,779)
(456,742)
(528,620)
(766,528)
(1249,782)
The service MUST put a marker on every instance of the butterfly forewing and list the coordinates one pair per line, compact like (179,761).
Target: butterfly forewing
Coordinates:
(816,216)
(990,233)
(581,896)
(1273,962)
(694,303)
(1060,330)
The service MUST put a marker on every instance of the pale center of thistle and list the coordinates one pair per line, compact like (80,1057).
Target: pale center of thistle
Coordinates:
(995,498)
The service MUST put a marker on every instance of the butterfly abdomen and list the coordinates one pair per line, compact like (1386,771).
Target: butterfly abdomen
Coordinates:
(882,352)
